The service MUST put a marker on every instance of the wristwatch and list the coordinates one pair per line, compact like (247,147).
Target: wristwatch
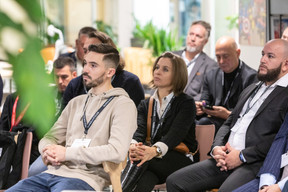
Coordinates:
(241,157)
(158,151)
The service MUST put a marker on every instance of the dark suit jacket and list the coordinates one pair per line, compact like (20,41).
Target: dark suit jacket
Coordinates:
(279,146)
(203,64)
(213,89)
(72,55)
(263,127)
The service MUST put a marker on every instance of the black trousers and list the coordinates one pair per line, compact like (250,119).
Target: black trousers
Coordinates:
(206,175)
(158,169)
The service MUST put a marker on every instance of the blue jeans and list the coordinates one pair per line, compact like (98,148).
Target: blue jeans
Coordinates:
(47,182)
(37,167)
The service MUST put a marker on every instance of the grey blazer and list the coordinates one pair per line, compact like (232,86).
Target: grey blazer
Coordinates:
(203,64)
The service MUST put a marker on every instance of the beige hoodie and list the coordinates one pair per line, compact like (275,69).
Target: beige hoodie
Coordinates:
(110,136)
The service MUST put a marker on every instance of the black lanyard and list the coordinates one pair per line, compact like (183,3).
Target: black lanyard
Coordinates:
(229,91)
(252,96)
(161,120)
(87,126)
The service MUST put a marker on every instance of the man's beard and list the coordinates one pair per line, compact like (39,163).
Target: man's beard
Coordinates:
(271,75)
(191,49)
(95,82)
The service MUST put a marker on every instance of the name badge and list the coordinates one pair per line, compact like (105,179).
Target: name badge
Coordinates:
(81,143)
(284,160)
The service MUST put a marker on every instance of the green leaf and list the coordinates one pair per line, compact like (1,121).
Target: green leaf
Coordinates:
(33,9)
(33,86)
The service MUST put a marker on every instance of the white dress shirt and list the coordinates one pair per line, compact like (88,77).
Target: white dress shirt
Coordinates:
(189,64)
(238,132)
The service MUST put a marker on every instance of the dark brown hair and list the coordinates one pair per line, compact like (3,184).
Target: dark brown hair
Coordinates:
(86,31)
(111,54)
(61,62)
(179,72)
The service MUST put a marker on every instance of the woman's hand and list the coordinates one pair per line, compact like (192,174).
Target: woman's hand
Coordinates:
(145,153)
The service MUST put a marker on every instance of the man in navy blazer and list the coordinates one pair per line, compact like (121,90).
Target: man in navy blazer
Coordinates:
(198,63)
(223,86)
(243,141)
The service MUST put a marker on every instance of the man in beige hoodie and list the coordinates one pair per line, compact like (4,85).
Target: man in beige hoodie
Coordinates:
(92,128)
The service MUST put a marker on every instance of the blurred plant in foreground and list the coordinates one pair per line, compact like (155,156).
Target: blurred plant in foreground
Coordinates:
(18,30)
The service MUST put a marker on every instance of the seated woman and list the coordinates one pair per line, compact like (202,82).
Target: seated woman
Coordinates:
(173,122)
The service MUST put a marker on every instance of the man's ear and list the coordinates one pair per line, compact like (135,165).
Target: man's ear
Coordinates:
(74,74)
(285,65)
(111,72)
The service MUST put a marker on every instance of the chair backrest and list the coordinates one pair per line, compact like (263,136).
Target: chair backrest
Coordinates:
(114,171)
(205,137)
(26,155)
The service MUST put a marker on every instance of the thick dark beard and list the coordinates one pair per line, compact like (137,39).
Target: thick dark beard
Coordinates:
(271,75)
(96,82)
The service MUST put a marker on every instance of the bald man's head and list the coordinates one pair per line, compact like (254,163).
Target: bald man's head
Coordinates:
(227,54)
(285,34)
(274,61)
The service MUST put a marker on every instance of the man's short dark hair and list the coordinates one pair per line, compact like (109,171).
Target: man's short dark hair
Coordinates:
(206,25)
(111,54)
(86,31)
(64,61)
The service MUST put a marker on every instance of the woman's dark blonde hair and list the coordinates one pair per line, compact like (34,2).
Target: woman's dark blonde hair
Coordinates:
(179,72)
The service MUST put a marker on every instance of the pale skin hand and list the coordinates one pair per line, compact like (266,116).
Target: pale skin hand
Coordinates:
(219,154)
(53,154)
(232,158)
(141,152)
(271,188)
(219,111)
(133,156)
(199,108)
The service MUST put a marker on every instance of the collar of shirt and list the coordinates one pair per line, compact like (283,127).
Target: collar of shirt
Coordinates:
(283,81)
(190,64)
(165,101)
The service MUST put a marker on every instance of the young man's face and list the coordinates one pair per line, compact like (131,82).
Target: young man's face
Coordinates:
(94,71)
(63,77)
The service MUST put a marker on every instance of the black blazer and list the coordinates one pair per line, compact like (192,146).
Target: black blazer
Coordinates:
(178,125)
(263,127)
(203,65)
(213,88)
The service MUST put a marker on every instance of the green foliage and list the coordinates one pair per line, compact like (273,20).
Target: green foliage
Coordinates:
(158,40)
(103,27)
(233,22)
(32,82)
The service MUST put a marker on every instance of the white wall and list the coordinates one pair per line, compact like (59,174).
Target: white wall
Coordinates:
(157,10)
